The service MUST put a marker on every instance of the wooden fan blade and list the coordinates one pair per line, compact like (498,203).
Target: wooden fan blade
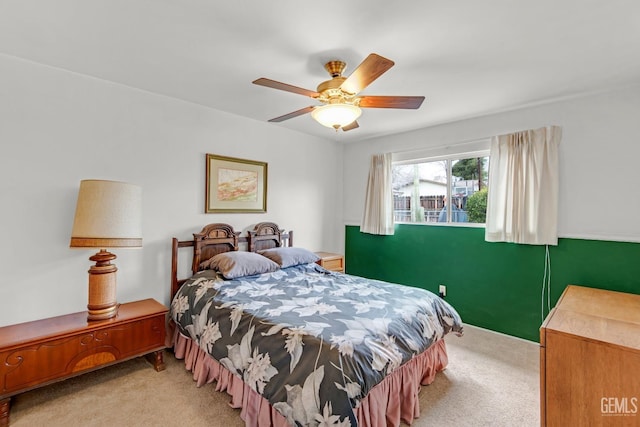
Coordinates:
(353,125)
(370,69)
(297,113)
(408,102)
(283,86)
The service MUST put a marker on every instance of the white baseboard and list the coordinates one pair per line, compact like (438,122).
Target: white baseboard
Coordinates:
(466,325)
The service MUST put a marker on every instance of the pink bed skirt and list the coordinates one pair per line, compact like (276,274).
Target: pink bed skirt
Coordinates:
(392,400)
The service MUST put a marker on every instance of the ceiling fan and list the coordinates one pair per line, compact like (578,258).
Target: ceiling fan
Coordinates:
(340,104)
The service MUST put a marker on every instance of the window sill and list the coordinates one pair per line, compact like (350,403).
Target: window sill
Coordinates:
(445,224)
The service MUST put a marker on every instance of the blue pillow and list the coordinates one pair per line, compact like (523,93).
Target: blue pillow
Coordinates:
(238,264)
(288,257)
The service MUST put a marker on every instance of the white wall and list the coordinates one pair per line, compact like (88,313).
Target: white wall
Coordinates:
(599,156)
(57,128)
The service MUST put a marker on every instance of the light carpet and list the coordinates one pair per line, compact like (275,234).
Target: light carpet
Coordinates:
(491,380)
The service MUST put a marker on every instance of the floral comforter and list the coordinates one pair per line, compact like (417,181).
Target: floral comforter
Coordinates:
(311,341)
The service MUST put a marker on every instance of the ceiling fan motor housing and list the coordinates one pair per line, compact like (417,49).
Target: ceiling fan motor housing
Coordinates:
(330,90)
(335,68)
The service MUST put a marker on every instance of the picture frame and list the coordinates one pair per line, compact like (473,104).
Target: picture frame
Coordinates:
(235,185)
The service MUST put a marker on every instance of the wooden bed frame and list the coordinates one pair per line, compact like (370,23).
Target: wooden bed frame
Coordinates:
(255,410)
(217,238)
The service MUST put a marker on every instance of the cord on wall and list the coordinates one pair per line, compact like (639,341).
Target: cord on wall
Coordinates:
(546,283)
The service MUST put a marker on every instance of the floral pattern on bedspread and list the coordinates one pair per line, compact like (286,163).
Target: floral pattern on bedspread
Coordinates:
(311,341)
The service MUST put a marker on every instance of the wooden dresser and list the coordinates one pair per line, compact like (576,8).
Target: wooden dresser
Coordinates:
(590,360)
(41,352)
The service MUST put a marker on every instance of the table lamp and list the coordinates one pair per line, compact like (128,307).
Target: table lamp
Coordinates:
(108,215)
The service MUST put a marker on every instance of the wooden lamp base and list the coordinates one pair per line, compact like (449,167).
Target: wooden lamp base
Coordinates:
(102,287)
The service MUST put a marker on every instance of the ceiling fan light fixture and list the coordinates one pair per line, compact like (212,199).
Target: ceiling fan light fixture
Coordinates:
(339,102)
(336,115)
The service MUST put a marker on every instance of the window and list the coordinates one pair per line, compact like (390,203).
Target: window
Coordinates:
(441,190)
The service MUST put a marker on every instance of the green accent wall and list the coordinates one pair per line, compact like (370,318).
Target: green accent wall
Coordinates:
(496,286)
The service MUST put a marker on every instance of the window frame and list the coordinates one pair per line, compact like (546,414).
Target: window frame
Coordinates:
(423,157)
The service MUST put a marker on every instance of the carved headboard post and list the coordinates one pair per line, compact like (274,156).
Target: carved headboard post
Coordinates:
(175,244)
(197,250)
(174,266)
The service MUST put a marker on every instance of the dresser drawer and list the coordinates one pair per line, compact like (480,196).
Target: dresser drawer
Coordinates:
(331,261)
(333,264)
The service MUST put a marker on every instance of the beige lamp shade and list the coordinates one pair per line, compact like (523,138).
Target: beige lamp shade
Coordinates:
(336,115)
(108,215)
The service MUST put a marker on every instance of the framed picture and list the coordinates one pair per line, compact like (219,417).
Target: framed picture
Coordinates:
(235,185)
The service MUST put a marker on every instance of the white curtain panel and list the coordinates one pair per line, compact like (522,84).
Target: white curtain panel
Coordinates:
(378,205)
(522,204)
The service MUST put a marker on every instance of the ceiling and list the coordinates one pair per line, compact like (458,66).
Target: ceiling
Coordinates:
(467,57)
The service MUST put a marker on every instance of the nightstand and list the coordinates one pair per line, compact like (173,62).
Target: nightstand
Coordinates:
(41,352)
(331,261)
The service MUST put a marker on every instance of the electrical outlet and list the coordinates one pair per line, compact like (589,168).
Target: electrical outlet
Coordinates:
(442,291)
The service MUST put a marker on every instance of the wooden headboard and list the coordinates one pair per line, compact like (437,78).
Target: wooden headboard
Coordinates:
(267,235)
(217,238)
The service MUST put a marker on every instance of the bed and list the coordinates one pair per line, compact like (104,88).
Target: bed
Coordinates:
(295,344)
